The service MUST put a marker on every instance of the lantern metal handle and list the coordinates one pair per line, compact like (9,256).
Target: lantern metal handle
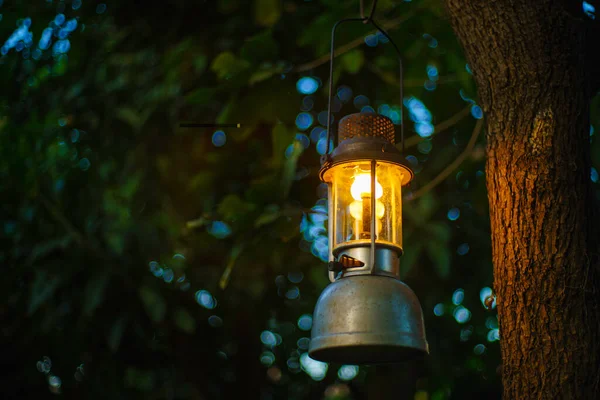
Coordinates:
(331,58)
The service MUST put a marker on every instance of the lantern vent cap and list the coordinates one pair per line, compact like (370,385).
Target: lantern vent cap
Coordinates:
(366,125)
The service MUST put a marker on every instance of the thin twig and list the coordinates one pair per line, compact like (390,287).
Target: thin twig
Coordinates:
(353,43)
(233,256)
(442,126)
(448,170)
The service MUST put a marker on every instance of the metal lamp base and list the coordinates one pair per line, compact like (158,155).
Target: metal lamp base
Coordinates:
(367,319)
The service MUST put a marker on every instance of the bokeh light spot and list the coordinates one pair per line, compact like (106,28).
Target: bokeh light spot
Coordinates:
(267,358)
(453,214)
(462,315)
(304,120)
(205,299)
(100,8)
(219,138)
(307,85)
(305,322)
(303,343)
(476,112)
(219,229)
(479,349)
(268,338)
(367,110)
(360,101)
(84,164)
(463,249)
(493,335)
(344,93)
(315,369)
(292,293)
(307,103)
(295,277)
(215,321)
(348,372)
(322,118)
(54,381)
(458,296)
(371,40)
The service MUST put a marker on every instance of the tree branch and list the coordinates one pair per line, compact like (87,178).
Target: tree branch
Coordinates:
(450,168)
(442,126)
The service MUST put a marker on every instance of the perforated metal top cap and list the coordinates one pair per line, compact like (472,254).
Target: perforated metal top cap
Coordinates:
(366,125)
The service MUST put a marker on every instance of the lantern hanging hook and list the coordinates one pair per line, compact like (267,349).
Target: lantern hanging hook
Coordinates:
(365,20)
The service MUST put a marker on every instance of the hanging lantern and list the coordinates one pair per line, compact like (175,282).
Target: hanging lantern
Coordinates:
(366,315)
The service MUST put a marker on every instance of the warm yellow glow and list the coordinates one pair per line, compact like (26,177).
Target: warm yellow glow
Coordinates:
(356,209)
(362,187)
(351,211)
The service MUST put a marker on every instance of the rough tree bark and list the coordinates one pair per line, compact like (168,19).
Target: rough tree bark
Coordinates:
(535,79)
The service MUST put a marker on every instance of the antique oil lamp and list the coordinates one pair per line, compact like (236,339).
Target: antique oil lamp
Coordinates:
(366,315)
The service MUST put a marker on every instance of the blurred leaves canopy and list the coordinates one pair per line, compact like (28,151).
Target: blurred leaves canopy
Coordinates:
(145,260)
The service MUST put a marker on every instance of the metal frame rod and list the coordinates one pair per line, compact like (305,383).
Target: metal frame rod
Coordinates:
(384,33)
(332,56)
(373,215)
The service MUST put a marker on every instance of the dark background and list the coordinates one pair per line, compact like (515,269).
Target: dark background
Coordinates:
(143,260)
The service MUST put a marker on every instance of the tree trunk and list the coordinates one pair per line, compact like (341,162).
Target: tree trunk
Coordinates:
(535,82)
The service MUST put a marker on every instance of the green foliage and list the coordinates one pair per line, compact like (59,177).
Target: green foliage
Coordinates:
(153,303)
(353,61)
(158,258)
(267,12)
(226,65)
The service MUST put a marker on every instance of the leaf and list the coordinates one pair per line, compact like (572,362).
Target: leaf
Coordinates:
(228,6)
(313,34)
(116,333)
(423,209)
(134,118)
(259,48)
(42,249)
(201,95)
(318,276)
(139,379)
(116,241)
(226,65)
(267,12)
(261,75)
(353,61)
(153,302)
(43,288)
(184,320)
(410,258)
(440,255)
(289,168)
(438,231)
(233,207)
(271,214)
(281,138)
(256,288)
(199,63)
(427,205)
(94,292)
